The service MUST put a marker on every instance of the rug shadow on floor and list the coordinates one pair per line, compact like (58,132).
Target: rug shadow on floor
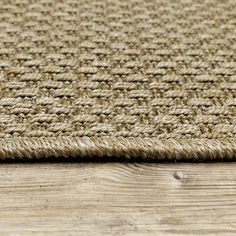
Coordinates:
(110,159)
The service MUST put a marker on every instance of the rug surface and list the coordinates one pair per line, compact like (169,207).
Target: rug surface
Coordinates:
(151,79)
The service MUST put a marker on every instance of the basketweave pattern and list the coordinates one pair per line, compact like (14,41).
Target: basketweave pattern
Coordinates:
(138,68)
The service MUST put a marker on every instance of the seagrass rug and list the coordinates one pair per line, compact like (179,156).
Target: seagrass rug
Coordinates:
(149,79)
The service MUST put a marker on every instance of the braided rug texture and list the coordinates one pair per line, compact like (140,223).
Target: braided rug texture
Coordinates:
(151,79)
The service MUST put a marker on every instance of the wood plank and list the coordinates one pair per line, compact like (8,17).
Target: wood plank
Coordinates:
(118,199)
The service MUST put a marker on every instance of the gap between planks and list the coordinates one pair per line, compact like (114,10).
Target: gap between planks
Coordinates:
(117,199)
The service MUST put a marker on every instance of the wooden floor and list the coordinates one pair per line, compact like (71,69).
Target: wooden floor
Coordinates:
(117,199)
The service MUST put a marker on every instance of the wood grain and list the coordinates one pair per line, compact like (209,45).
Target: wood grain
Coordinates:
(118,199)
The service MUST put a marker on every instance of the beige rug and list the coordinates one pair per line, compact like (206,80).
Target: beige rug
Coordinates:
(150,79)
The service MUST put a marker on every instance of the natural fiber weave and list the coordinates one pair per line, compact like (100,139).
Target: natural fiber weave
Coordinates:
(154,79)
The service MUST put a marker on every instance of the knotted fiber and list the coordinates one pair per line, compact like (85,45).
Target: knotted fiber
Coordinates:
(149,79)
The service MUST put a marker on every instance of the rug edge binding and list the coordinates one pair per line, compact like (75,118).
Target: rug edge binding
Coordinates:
(101,148)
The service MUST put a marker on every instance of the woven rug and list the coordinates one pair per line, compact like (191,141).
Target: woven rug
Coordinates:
(150,79)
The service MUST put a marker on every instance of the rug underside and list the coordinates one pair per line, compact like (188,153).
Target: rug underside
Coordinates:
(149,79)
